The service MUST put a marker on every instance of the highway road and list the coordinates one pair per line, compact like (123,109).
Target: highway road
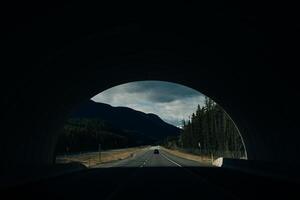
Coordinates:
(146,158)
(156,176)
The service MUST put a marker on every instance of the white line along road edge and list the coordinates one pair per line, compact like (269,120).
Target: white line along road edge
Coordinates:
(170,160)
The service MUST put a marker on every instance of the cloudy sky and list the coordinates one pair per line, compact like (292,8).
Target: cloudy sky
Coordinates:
(172,102)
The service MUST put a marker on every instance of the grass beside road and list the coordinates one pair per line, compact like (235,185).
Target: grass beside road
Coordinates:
(93,159)
(201,159)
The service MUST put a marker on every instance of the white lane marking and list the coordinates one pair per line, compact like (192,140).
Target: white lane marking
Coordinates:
(171,160)
(144,163)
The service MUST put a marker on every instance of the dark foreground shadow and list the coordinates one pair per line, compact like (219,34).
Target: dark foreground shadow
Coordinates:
(155,183)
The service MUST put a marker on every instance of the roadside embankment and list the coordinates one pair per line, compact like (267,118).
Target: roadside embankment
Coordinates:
(201,159)
(96,158)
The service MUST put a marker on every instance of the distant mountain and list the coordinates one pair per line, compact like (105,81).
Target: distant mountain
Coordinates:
(148,127)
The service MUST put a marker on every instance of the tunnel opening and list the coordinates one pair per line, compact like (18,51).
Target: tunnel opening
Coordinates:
(120,122)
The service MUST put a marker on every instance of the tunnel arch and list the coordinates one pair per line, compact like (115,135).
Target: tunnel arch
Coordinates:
(56,77)
(150,81)
(95,90)
(38,148)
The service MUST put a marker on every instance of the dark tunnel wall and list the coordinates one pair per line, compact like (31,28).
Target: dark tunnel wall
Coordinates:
(43,106)
(56,59)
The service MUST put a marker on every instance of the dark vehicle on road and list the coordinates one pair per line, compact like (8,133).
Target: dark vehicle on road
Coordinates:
(156,151)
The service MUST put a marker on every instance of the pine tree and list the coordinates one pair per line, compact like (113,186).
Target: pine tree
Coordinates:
(213,128)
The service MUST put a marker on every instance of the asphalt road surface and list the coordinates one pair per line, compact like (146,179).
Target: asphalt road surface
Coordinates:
(156,176)
(147,158)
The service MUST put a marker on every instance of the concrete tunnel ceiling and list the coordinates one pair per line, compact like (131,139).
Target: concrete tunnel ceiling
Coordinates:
(63,67)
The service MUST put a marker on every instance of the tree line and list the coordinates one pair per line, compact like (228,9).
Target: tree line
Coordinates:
(209,130)
(84,134)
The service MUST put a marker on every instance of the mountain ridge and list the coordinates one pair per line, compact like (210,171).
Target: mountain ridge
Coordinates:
(125,118)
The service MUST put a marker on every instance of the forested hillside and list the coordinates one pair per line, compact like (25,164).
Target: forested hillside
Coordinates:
(112,127)
(209,131)
(84,134)
(124,118)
